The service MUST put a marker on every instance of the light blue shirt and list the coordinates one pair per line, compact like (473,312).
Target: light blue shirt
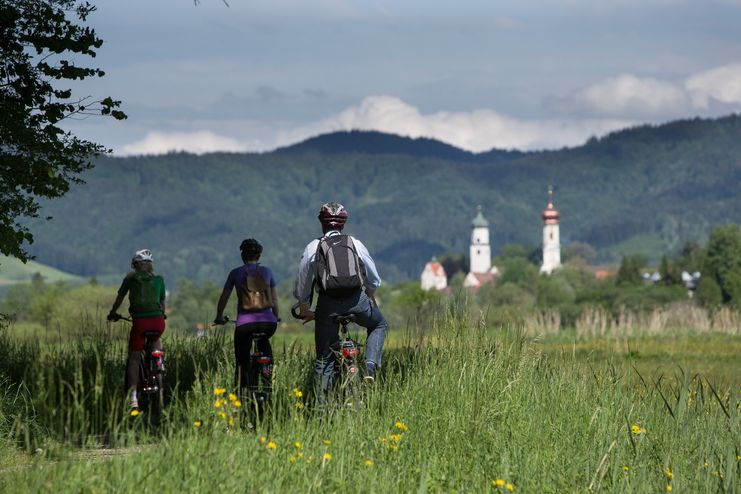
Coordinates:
(305,277)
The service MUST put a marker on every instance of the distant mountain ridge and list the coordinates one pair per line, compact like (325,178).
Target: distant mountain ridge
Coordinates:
(646,189)
(373,142)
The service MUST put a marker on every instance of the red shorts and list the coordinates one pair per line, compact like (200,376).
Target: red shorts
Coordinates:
(152,326)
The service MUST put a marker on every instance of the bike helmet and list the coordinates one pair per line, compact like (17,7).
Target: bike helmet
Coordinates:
(144,255)
(250,248)
(333,215)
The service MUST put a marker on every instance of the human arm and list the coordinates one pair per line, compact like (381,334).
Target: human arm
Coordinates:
(224,298)
(274,296)
(122,291)
(372,278)
(304,281)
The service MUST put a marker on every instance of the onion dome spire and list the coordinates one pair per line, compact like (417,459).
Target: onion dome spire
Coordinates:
(479,221)
(551,216)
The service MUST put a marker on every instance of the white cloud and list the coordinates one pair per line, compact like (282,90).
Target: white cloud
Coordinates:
(625,96)
(193,142)
(476,131)
(722,84)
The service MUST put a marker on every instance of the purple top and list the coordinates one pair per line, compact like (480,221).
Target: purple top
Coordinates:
(236,278)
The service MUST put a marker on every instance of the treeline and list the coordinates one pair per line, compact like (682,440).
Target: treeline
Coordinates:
(647,189)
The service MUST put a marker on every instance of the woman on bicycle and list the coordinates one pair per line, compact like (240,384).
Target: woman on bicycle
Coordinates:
(257,308)
(147,308)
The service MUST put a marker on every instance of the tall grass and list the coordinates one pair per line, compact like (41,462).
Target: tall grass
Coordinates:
(456,408)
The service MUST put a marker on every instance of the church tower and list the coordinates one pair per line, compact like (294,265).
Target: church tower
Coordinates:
(480,253)
(551,240)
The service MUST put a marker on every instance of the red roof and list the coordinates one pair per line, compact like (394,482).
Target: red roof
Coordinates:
(437,268)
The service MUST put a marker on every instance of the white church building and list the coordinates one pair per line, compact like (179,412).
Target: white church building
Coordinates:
(551,240)
(481,271)
(434,276)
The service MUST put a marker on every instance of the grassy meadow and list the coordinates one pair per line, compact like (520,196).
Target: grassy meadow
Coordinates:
(461,407)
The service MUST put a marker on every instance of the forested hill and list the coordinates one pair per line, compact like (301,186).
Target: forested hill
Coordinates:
(646,189)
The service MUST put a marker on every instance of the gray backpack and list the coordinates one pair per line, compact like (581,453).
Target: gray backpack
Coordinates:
(339,270)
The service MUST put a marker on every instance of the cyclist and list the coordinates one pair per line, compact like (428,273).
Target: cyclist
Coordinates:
(147,308)
(356,300)
(257,308)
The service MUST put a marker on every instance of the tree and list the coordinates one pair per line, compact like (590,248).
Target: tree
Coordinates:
(630,270)
(39,48)
(723,260)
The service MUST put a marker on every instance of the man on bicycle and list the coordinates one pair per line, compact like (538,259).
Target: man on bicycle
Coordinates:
(331,262)
(147,308)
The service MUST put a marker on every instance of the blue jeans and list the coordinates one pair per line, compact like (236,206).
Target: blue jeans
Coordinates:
(326,333)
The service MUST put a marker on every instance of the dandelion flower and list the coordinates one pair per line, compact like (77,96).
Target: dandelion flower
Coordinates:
(393,447)
(262,440)
(498,482)
(668,472)
(705,465)
(134,412)
(300,454)
(327,457)
(293,459)
(272,446)
(231,420)
(197,423)
(626,468)
(222,415)
(368,462)
(668,487)
(401,426)
(637,430)
(218,403)
(297,445)
(297,393)
(395,438)
(219,391)
(327,442)
(510,487)
(232,397)
(237,403)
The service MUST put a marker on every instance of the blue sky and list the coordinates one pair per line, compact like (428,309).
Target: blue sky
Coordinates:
(477,74)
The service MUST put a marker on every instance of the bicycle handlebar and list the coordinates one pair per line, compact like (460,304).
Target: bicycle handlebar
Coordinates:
(117,317)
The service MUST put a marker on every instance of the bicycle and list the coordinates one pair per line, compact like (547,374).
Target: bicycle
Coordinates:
(150,391)
(259,374)
(348,363)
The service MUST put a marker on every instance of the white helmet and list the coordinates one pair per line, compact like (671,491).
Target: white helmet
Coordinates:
(142,256)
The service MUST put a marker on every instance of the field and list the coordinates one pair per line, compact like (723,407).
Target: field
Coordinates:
(461,407)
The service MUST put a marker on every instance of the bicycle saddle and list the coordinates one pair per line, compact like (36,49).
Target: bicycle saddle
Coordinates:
(343,318)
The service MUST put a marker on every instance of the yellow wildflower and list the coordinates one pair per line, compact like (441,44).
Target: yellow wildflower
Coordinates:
(222,415)
(401,426)
(637,430)
(272,446)
(299,406)
(219,391)
(327,442)
(297,445)
(293,459)
(218,403)
(262,439)
(393,447)
(368,462)
(498,482)
(327,457)
(668,472)
(134,412)
(668,488)
(395,438)
(232,397)
(300,454)
(197,423)
(626,468)
(231,420)
(510,487)
(237,403)
(297,393)
(705,465)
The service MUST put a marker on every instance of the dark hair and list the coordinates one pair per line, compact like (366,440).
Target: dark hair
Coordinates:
(250,249)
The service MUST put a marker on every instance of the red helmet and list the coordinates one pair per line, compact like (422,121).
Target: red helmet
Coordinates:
(333,215)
